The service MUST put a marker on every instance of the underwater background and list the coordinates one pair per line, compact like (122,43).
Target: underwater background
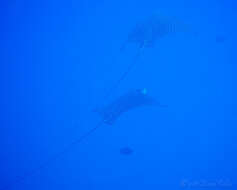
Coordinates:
(59,59)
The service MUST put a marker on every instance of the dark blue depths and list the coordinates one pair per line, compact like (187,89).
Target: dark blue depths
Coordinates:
(59,59)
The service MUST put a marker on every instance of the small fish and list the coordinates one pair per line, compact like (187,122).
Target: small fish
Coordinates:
(220,39)
(133,99)
(126,151)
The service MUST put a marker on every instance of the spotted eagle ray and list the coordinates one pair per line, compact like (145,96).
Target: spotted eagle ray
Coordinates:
(131,100)
(155,27)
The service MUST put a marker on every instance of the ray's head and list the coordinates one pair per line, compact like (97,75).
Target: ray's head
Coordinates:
(142,91)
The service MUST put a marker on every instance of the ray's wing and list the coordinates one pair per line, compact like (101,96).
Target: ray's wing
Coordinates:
(127,102)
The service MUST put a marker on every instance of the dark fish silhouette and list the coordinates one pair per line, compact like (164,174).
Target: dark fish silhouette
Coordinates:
(126,151)
(133,99)
(220,39)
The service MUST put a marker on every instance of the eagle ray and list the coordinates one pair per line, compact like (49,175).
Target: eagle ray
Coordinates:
(131,100)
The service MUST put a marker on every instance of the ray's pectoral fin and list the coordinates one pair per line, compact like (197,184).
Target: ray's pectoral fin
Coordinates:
(110,120)
(157,103)
(99,111)
(123,46)
(107,116)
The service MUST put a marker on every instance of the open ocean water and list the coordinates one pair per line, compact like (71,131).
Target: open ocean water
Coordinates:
(118,95)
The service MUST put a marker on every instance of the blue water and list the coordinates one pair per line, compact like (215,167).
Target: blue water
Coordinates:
(60,58)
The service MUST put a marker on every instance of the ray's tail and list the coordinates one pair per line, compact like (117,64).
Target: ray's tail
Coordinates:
(47,163)
(20,179)
(127,71)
